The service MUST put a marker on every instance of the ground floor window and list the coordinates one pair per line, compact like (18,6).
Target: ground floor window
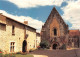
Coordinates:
(12,46)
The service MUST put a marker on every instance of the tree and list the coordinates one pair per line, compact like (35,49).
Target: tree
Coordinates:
(44,44)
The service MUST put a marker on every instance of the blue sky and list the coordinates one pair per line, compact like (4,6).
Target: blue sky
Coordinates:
(38,12)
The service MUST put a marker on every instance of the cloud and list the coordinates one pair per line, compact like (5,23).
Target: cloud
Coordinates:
(72,13)
(31,22)
(35,3)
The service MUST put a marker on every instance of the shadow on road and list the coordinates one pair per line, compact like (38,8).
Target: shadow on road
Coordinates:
(58,53)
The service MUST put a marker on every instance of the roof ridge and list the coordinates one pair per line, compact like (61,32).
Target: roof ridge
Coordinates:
(16,21)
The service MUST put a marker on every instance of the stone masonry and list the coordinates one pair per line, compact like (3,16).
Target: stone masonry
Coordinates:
(55,25)
(16,36)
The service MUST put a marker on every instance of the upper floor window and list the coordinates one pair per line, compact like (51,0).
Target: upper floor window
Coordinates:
(13,30)
(3,27)
(55,31)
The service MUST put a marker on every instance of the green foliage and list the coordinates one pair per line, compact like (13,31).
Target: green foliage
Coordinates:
(18,53)
(1,55)
(6,55)
(0,50)
(63,46)
(44,44)
(12,55)
(27,55)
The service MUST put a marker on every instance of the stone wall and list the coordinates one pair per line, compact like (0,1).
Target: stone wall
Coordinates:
(38,40)
(31,39)
(55,21)
(6,36)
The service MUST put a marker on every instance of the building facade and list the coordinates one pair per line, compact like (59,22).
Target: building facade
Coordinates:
(38,40)
(55,30)
(74,38)
(31,39)
(13,35)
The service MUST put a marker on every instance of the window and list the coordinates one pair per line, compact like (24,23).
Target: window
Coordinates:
(2,27)
(55,31)
(13,30)
(12,46)
(34,44)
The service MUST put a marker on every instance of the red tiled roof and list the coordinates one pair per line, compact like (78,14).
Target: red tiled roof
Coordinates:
(74,33)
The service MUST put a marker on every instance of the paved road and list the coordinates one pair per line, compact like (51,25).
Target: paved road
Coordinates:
(58,53)
(40,56)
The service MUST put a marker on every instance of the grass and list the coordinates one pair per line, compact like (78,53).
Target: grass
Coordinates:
(27,55)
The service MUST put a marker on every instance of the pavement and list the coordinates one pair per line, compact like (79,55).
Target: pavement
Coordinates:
(40,56)
(57,53)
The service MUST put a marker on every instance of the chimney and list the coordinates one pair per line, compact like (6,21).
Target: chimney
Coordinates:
(26,22)
(0,13)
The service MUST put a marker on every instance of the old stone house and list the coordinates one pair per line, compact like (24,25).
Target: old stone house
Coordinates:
(38,39)
(31,38)
(74,38)
(55,30)
(16,36)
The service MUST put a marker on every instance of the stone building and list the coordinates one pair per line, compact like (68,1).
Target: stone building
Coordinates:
(16,36)
(74,38)
(38,40)
(31,38)
(55,30)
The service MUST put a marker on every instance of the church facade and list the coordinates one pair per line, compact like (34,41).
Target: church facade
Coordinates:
(55,30)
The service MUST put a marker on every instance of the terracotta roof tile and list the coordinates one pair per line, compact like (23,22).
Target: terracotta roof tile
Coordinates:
(74,33)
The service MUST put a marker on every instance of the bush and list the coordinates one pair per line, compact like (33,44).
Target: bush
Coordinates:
(1,55)
(12,55)
(63,46)
(6,55)
(0,50)
(18,53)
(38,47)
(44,44)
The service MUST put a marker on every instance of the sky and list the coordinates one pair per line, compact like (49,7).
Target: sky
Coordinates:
(36,12)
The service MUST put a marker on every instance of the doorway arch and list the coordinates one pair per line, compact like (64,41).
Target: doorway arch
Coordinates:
(24,47)
(54,46)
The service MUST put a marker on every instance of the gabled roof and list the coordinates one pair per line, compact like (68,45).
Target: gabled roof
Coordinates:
(17,21)
(53,13)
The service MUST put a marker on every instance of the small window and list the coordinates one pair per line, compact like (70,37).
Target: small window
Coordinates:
(34,44)
(13,30)
(12,46)
(2,27)
(55,31)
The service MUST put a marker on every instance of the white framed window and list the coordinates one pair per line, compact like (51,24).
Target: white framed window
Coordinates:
(12,46)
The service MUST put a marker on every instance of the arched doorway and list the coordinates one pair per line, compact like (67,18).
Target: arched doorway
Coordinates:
(24,47)
(54,46)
